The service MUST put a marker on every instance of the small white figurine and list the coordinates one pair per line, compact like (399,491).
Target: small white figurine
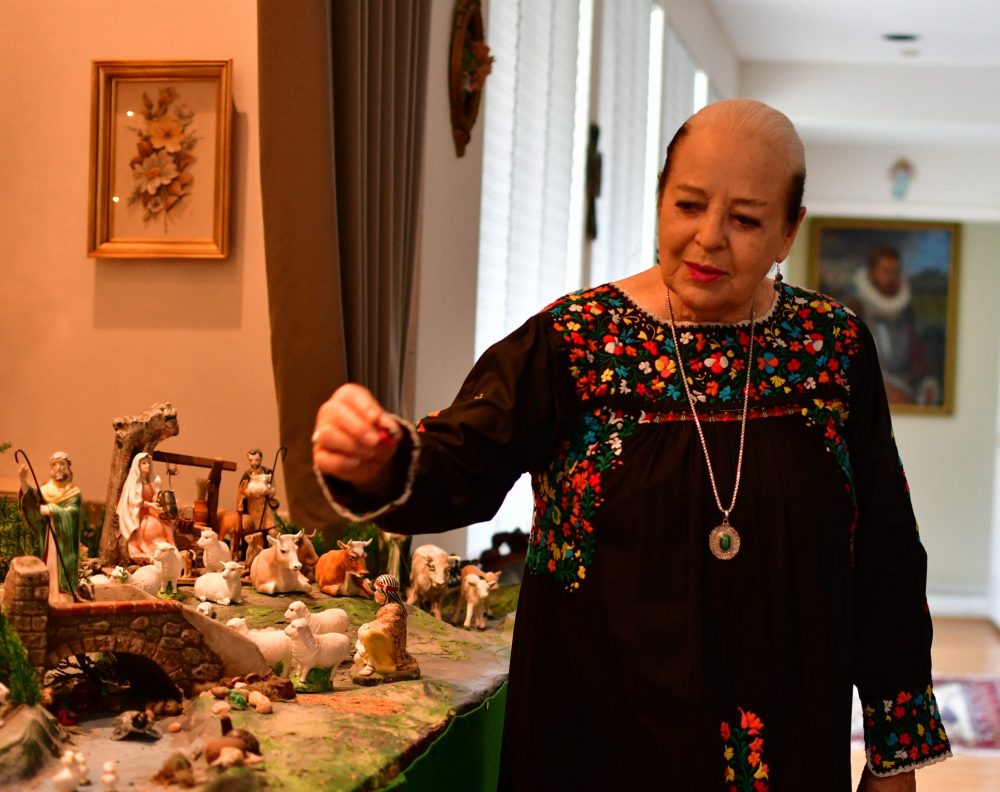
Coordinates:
(326,621)
(148,578)
(110,777)
(277,568)
(214,552)
(316,651)
(82,771)
(222,587)
(206,609)
(274,645)
(66,779)
(167,559)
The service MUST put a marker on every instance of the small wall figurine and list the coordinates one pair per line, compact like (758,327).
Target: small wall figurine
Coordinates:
(56,503)
(381,646)
(429,577)
(139,519)
(277,569)
(343,572)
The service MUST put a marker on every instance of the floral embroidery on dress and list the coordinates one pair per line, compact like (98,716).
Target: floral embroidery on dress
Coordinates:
(622,362)
(568,493)
(904,733)
(743,750)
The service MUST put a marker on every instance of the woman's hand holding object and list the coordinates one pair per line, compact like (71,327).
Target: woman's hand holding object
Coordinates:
(355,438)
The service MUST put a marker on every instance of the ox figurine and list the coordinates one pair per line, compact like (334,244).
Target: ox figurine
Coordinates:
(429,577)
(343,572)
(277,568)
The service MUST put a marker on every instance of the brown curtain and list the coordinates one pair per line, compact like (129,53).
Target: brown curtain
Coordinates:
(342,86)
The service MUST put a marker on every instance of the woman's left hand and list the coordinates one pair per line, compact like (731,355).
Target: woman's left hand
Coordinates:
(904,782)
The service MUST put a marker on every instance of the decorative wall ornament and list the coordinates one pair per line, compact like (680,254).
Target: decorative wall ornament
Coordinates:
(160,159)
(468,67)
(901,173)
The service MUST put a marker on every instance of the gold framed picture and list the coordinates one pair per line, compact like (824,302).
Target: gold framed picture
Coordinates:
(160,147)
(901,279)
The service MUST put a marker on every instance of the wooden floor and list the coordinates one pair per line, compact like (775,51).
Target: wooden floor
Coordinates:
(961,646)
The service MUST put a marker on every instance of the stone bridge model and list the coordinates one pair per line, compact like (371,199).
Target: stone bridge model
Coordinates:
(190,648)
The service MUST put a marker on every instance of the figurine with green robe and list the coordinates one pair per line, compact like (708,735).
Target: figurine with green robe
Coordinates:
(59,503)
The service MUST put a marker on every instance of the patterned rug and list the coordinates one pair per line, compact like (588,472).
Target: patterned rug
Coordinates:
(970,709)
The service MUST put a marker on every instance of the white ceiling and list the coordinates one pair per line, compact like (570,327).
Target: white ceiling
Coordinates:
(850,31)
(826,63)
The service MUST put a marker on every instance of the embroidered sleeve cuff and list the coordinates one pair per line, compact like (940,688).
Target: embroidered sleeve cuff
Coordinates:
(350,504)
(904,733)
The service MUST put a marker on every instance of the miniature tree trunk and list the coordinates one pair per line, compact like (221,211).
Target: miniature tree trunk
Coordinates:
(133,434)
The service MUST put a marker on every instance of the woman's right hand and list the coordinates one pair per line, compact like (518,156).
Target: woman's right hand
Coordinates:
(355,438)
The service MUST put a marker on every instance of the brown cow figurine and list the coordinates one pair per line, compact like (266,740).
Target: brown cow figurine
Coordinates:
(343,572)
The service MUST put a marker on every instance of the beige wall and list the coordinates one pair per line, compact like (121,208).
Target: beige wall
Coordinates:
(86,340)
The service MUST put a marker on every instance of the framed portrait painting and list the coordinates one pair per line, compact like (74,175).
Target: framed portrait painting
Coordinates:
(160,159)
(901,278)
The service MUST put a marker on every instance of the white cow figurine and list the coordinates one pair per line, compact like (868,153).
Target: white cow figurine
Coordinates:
(327,621)
(222,587)
(215,553)
(316,651)
(476,591)
(277,568)
(167,559)
(274,645)
(429,576)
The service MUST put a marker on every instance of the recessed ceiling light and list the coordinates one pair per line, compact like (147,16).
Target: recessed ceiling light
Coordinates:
(910,52)
(900,36)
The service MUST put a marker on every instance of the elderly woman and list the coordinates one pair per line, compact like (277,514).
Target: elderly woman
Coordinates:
(723,541)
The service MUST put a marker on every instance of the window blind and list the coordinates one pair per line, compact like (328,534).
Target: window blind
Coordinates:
(622,105)
(527,162)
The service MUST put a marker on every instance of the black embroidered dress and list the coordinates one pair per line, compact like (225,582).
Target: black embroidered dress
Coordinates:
(640,659)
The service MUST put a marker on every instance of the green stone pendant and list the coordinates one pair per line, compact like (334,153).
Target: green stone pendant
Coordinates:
(724,541)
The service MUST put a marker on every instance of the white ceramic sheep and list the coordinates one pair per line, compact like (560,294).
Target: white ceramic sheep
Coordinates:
(167,559)
(274,645)
(215,553)
(149,578)
(222,587)
(330,620)
(316,651)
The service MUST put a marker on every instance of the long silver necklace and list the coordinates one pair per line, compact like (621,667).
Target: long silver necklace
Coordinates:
(724,540)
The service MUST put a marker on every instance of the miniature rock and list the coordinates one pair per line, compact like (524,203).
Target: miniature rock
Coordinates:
(221,708)
(174,727)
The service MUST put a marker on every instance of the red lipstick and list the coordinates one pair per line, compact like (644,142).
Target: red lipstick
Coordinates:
(702,273)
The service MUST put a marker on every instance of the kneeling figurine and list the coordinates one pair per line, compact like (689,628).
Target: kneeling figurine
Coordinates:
(381,646)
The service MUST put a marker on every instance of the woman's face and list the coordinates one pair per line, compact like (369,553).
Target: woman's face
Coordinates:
(722,222)
(144,465)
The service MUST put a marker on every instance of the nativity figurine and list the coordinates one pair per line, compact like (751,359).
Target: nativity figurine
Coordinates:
(140,518)
(381,646)
(54,511)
